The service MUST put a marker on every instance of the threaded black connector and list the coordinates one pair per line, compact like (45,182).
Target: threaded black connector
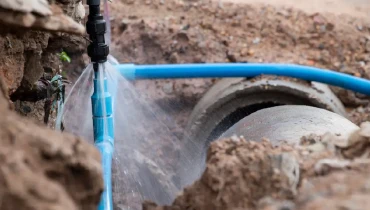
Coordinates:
(96,27)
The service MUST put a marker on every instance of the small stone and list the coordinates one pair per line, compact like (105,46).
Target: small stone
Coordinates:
(80,11)
(359,27)
(318,19)
(366,186)
(174,58)
(231,57)
(250,52)
(168,88)
(318,147)
(124,25)
(265,32)
(329,26)
(283,43)
(367,46)
(305,153)
(310,62)
(337,65)
(244,52)
(289,166)
(323,28)
(324,166)
(257,40)
(26,109)
(321,46)
(235,138)
(284,12)
(199,59)
(185,27)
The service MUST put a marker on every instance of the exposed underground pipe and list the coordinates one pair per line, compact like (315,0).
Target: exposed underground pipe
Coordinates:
(272,123)
(288,123)
(178,71)
(231,99)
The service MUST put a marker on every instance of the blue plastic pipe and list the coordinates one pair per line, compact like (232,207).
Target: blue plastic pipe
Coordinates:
(103,106)
(177,71)
(102,110)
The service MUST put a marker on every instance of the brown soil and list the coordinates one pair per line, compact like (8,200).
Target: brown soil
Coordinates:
(43,169)
(26,53)
(322,173)
(354,8)
(39,168)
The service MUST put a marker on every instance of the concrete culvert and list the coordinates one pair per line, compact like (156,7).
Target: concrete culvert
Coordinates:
(230,100)
(231,103)
(287,123)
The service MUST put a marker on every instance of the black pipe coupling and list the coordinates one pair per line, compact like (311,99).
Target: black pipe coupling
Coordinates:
(96,27)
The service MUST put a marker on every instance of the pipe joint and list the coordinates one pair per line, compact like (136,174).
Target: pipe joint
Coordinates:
(96,27)
(105,143)
(93,2)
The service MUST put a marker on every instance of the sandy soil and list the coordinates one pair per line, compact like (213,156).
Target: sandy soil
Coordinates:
(356,8)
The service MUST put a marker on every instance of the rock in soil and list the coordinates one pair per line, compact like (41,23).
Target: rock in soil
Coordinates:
(43,169)
(242,174)
(37,14)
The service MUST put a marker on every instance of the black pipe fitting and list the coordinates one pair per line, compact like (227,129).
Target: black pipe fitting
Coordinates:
(96,27)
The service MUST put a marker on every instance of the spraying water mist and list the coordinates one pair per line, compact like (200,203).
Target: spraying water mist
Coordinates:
(147,151)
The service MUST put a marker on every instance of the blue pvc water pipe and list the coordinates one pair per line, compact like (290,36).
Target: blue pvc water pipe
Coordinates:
(103,105)
(102,110)
(218,70)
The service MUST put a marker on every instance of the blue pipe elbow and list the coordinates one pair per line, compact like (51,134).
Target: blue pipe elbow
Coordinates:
(220,70)
(127,70)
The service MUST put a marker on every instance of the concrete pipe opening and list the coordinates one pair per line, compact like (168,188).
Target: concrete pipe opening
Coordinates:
(278,102)
(230,100)
(288,123)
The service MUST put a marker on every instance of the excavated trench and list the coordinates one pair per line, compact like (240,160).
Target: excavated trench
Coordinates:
(178,32)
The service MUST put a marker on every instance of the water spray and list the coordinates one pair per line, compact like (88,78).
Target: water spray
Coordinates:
(102,102)
(138,122)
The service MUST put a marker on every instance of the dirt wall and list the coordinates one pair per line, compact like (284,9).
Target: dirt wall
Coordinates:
(43,169)
(39,168)
(25,54)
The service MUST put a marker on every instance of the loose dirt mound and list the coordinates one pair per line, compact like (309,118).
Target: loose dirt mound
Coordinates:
(322,173)
(41,169)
